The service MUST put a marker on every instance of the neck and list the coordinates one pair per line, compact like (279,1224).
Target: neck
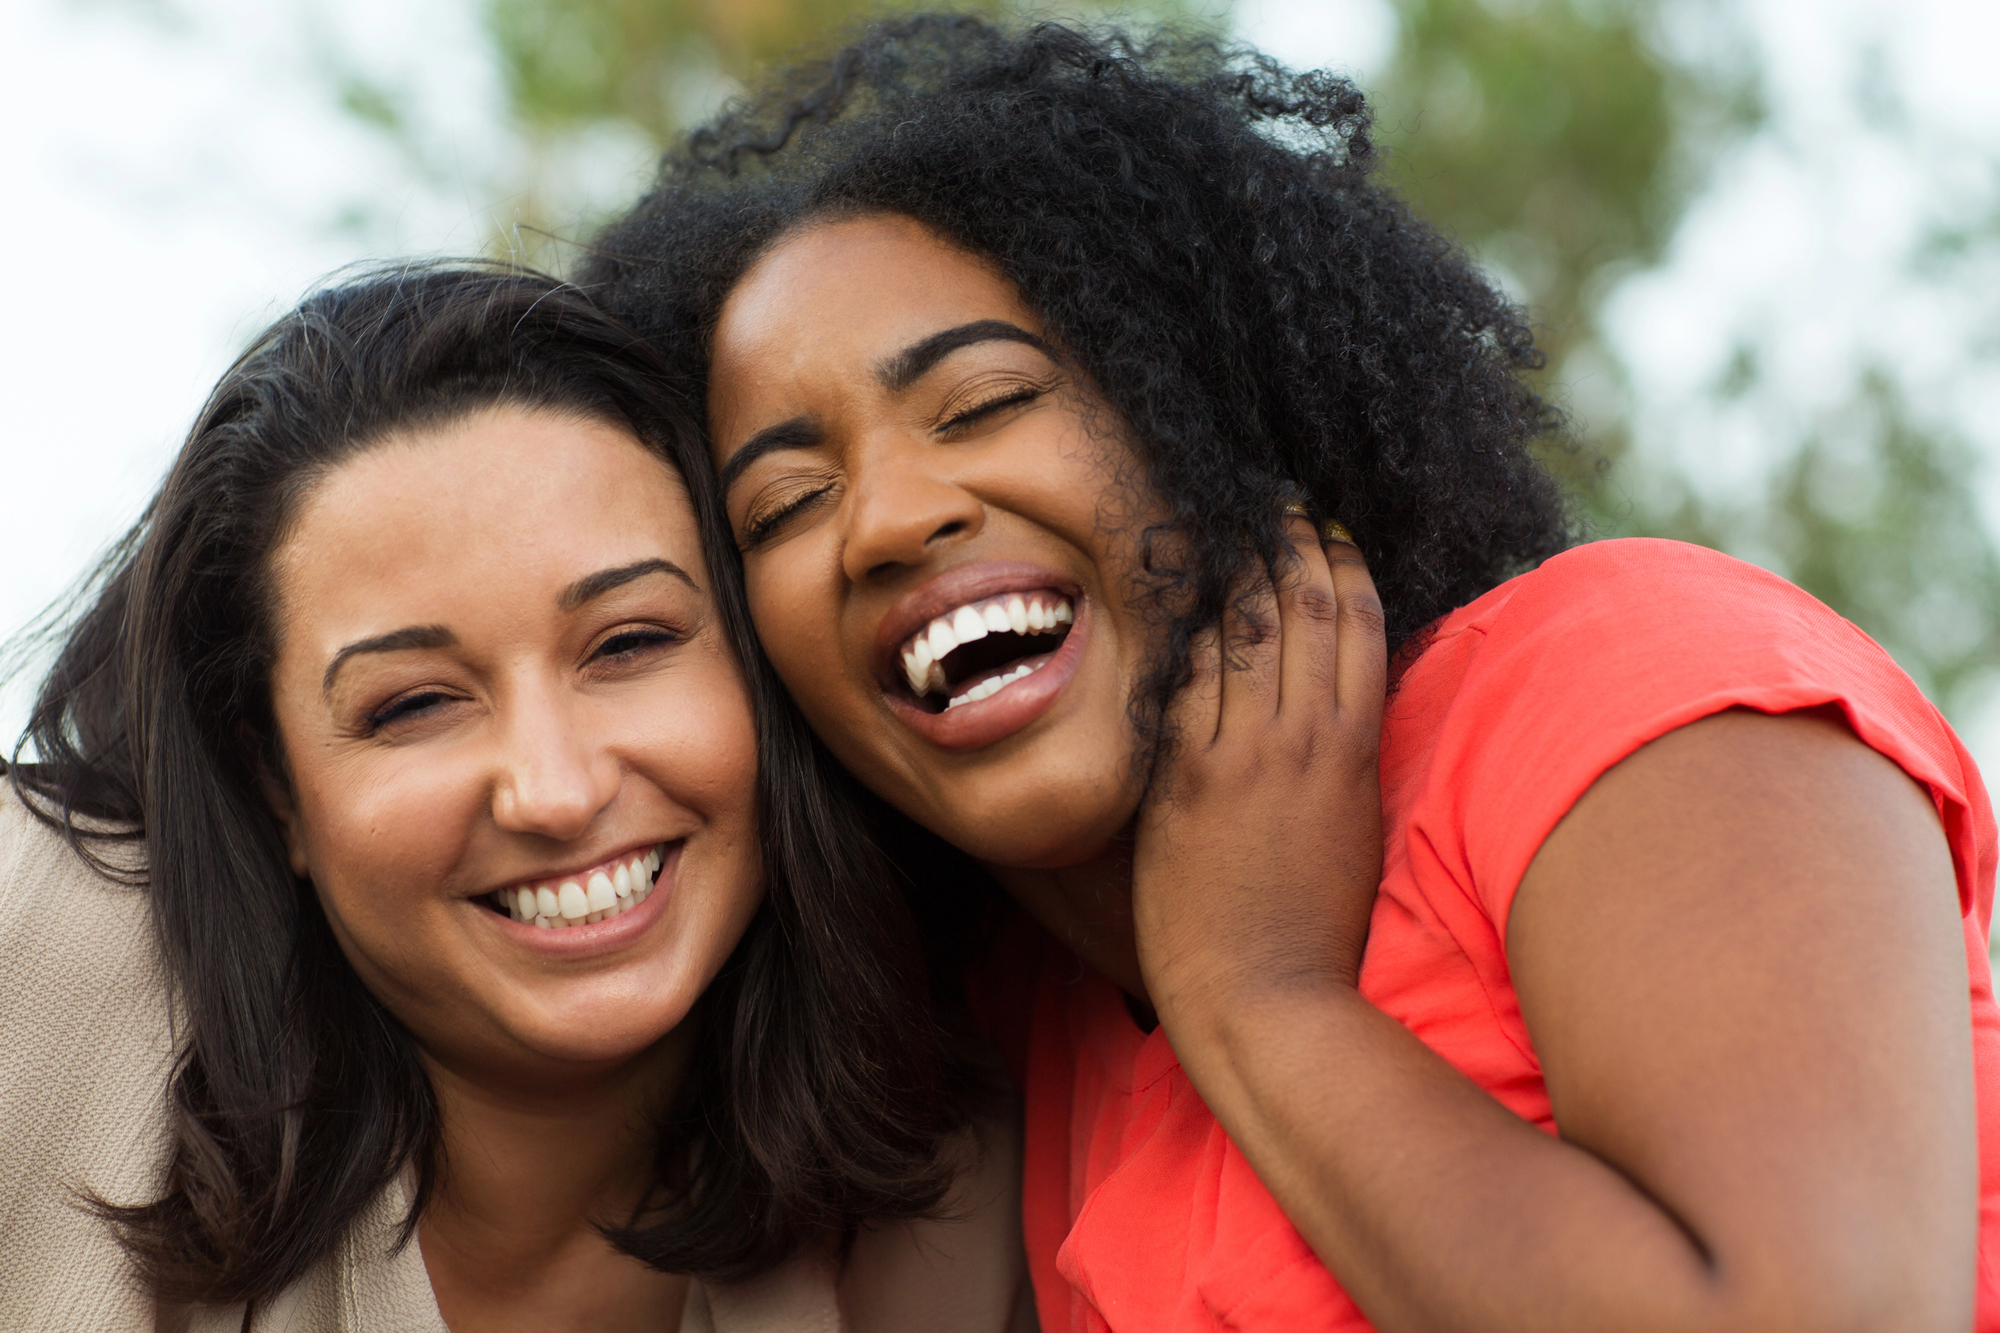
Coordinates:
(1088,908)
(529,1172)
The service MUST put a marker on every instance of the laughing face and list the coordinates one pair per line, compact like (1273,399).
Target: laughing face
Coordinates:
(937,535)
(521,755)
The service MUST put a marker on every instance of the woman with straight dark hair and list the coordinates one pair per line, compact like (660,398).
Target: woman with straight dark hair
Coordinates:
(421,908)
(1035,359)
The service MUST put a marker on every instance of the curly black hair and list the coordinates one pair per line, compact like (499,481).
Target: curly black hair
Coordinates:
(1197,227)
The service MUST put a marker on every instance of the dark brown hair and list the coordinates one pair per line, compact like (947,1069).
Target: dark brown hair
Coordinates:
(818,1095)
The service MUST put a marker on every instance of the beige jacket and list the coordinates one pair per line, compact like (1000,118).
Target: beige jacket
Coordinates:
(86,1047)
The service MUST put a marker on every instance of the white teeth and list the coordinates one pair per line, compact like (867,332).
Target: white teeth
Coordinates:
(1013,613)
(601,895)
(992,685)
(967,625)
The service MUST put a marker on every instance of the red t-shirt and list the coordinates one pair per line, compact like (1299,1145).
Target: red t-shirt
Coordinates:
(1141,1215)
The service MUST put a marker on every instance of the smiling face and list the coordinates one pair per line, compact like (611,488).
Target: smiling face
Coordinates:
(938,546)
(521,756)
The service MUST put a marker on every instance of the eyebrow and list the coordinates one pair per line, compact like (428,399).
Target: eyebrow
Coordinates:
(396,641)
(897,373)
(604,580)
(798,433)
(585,589)
(911,364)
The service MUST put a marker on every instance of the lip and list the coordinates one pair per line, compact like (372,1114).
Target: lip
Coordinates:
(601,937)
(976,725)
(954,588)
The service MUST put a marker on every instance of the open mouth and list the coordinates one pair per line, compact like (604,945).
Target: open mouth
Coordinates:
(598,894)
(974,651)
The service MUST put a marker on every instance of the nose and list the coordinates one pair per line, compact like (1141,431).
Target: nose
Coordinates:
(902,505)
(554,778)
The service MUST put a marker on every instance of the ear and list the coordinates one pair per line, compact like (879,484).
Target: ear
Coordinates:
(277,791)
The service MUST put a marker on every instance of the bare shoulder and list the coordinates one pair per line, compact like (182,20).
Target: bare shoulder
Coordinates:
(1741,958)
(1742,806)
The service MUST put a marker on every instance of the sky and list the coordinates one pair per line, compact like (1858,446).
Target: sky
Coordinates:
(179,171)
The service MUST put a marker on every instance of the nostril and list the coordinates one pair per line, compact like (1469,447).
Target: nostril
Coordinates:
(951,529)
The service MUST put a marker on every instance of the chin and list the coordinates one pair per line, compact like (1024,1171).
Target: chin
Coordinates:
(603,1031)
(602,1047)
(1048,835)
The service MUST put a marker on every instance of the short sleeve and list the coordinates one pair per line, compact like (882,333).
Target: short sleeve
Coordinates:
(1571,668)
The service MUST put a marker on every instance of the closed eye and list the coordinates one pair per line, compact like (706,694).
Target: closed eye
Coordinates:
(630,642)
(405,708)
(992,406)
(764,526)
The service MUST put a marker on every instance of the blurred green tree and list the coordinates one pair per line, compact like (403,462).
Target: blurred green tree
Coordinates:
(643,69)
(1561,141)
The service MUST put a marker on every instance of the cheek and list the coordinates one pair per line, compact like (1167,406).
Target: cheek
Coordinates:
(698,745)
(377,851)
(391,823)
(801,634)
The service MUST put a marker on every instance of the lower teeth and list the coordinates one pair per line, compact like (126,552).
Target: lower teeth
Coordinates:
(991,686)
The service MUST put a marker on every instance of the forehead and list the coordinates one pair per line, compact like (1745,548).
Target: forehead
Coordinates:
(496,503)
(855,287)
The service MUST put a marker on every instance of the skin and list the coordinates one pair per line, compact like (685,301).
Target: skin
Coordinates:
(543,735)
(1753,1137)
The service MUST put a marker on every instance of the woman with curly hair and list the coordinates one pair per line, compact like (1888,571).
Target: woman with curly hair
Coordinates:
(1032,361)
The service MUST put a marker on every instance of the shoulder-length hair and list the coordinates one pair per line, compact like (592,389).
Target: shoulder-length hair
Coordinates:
(818,1096)
(1201,230)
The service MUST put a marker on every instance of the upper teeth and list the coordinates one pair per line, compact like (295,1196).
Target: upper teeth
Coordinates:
(579,900)
(1015,613)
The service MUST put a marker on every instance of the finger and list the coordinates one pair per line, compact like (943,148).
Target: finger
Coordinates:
(1252,649)
(1308,618)
(1192,717)
(1361,649)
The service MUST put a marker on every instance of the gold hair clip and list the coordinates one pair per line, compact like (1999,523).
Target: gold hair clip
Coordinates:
(1331,530)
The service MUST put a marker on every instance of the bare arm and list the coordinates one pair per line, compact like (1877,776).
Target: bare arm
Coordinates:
(1740,960)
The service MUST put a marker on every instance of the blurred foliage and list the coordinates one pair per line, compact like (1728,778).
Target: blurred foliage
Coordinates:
(1560,140)
(572,63)
(645,69)
(1555,141)
(1872,515)
(1545,137)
